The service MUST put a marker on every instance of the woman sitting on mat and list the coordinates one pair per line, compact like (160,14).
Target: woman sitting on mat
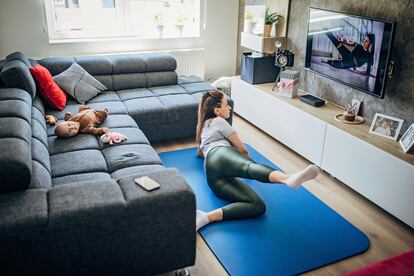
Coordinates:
(226,158)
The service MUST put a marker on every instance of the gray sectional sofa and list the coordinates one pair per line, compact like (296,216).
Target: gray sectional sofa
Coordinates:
(70,206)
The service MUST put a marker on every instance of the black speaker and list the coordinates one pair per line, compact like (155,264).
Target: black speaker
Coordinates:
(258,69)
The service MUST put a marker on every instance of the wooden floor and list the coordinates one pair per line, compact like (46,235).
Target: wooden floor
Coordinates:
(388,235)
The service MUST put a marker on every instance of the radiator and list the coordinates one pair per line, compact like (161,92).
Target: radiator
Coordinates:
(190,62)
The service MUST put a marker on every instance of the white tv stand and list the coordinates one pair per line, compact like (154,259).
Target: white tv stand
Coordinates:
(373,166)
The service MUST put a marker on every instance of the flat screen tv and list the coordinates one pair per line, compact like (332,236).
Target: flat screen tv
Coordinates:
(350,49)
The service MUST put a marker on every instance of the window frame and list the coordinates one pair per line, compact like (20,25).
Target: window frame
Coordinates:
(120,32)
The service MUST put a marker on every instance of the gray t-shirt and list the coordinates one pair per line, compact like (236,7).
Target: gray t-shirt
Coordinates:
(214,134)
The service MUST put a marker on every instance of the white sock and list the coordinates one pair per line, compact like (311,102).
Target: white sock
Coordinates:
(201,219)
(295,180)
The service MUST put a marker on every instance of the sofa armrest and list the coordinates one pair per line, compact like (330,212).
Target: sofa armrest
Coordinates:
(109,227)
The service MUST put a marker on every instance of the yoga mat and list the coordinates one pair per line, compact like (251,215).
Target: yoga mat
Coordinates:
(297,233)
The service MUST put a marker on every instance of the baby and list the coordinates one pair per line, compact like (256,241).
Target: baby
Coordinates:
(85,122)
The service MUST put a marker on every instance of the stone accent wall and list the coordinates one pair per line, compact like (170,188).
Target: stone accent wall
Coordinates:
(399,92)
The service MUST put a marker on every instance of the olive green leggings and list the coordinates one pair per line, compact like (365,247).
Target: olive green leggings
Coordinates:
(223,165)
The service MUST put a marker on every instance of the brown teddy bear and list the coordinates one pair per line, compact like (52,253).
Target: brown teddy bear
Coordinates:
(86,121)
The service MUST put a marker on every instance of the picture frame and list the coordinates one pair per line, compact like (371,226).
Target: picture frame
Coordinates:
(386,126)
(357,105)
(407,140)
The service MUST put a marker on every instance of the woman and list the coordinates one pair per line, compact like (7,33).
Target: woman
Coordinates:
(226,158)
(360,55)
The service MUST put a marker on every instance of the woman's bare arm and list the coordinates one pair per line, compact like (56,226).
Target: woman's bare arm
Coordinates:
(237,144)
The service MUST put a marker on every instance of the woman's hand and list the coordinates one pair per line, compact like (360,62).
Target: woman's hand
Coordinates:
(199,152)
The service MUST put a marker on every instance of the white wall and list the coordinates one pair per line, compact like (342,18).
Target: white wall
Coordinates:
(21,29)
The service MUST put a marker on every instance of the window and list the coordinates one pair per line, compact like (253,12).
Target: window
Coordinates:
(82,19)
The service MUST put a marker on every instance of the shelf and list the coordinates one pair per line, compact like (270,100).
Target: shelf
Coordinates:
(259,43)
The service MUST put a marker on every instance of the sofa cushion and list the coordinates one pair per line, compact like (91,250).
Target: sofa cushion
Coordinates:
(127,63)
(114,107)
(161,78)
(50,92)
(118,120)
(188,79)
(75,162)
(15,140)
(168,90)
(57,65)
(19,56)
(122,156)
(16,74)
(78,83)
(15,164)
(78,142)
(136,170)
(135,93)
(146,110)
(194,87)
(24,210)
(179,107)
(105,96)
(159,62)
(73,178)
(41,177)
(129,80)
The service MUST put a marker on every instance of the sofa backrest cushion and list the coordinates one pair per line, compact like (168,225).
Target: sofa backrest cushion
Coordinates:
(161,78)
(159,62)
(15,140)
(128,71)
(122,71)
(19,56)
(15,74)
(41,169)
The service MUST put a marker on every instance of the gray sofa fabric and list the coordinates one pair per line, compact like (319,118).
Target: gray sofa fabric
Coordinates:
(16,74)
(70,206)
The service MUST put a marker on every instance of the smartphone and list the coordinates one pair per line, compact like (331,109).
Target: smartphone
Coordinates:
(147,183)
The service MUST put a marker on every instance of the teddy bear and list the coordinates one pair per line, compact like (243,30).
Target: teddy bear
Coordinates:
(86,121)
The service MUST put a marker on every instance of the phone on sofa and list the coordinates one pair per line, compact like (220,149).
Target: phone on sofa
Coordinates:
(147,183)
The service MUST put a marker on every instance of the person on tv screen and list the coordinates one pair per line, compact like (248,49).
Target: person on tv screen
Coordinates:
(227,158)
(357,57)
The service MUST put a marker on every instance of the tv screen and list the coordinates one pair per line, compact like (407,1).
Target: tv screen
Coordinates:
(351,49)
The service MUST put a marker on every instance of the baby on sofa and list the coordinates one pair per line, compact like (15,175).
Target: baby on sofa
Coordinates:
(86,121)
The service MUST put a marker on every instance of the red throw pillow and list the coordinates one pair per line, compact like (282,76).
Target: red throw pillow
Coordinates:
(50,92)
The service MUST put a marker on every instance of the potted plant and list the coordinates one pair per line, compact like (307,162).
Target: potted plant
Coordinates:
(250,22)
(270,18)
(179,23)
(159,23)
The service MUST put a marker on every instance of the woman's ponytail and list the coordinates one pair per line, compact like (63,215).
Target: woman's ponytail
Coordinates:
(200,121)
(209,101)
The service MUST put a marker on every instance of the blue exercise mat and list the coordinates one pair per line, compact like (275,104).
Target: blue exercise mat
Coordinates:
(297,233)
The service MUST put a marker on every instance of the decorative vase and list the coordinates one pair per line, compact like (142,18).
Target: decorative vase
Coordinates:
(348,116)
(179,29)
(249,26)
(267,30)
